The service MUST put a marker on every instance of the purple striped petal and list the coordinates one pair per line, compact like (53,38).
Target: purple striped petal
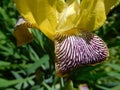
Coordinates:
(76,51)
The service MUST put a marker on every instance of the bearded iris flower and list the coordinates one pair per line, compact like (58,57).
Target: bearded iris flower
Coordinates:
(69,24)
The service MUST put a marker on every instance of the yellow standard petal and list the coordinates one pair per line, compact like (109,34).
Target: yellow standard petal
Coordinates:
(92,14)
(68,17)
(110,4)
(40,12)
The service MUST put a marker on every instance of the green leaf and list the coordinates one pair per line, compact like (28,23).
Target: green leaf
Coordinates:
(3,63)
(68,86)
(37,64)
(39,38)
(114,66)
(47,86)
(102,87)
(116,88)
(7,83)
(16,75)
(114,74)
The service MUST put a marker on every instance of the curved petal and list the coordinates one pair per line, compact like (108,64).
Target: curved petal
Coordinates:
(92,14)
(68,17)
(24,10)
(40,12)
(76,51)
(60,5)
(69,1)
(22,33)
(109,4)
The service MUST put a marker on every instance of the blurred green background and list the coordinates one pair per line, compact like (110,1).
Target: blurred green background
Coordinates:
(31,66)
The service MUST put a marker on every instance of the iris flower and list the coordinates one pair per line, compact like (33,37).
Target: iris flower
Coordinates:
(69,24)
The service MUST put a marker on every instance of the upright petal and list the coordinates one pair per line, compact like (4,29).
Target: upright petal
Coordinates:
(40,12)
(92,14)
(109,4)
(68,17)
(60,5)
(69,1)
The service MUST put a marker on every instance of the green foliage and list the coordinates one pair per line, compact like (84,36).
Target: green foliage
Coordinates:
(31,67)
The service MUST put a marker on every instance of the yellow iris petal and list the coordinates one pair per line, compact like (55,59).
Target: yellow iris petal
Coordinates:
(60,16)
(109,4)
(68,17)
(40,12)
(69,1)
(24,10)
(92,14)
(60,5)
